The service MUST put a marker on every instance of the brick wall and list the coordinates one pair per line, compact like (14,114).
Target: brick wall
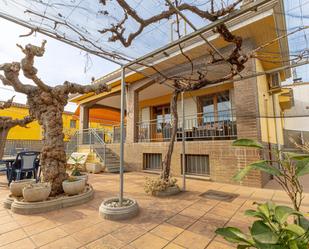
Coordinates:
(225,160)
(246,106)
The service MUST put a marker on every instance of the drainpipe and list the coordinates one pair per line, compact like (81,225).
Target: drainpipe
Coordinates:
(267,128)
(183,144)
(123,88)
(276,125)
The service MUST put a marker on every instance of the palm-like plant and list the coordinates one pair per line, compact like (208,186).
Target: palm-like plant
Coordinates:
(77,165)
(286,169)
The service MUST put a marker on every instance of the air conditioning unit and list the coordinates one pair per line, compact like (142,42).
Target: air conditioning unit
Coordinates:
(274,81)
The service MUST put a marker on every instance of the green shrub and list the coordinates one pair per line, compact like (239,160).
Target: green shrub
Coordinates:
(154,185)
(273,229)
(286,168)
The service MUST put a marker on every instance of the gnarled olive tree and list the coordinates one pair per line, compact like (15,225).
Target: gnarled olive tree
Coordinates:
(46,104)
(6,123)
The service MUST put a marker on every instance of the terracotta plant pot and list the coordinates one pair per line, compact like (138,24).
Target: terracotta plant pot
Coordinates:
(36,192)
(16,187)
(93,168)
(73,187)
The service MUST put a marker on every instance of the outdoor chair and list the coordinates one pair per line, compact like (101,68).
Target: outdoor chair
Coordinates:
(26,165)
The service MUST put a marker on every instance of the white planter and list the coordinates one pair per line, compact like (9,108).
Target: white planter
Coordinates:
(83,176)
(174,190)
(16,187)
(93,168)
(110,212)
(74,187)
(36,192)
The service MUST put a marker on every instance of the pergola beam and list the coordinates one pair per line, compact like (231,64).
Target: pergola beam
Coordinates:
(237,13)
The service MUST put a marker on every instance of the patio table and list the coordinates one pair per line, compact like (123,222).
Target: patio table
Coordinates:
(8,160)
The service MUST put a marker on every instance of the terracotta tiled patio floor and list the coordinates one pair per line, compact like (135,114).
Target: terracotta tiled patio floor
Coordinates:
(183,221)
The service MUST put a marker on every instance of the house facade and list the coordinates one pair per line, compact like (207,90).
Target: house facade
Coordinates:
(296,119)
(214,115)
(30,137)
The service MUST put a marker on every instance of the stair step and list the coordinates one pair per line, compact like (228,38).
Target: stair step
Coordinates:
(111,157)
(112,168)
(112,161)
(113,165)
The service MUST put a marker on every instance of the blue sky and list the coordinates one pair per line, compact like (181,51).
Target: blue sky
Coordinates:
(297,15)
(61,62)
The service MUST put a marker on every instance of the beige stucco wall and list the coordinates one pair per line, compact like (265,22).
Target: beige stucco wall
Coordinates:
(271,129)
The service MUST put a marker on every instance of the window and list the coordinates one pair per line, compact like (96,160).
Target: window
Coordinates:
(72,123)
(197,165)
(216,107)
(163,117)
(224,106)
(208,109)
(152,161)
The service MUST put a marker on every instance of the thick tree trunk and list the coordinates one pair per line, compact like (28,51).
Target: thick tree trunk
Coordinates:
(166,164)
(48,111)
(3,135)
(53,157)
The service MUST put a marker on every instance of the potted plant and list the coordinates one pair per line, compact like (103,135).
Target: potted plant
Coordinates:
(76,171)
(36,192)
(16,187)
(73,185)
(161,187)
(94,168)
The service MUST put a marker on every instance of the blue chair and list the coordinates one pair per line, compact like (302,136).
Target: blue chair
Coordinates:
(25,165)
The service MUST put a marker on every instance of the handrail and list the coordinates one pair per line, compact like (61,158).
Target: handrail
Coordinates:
(200,126)
(198,114)
(101,141)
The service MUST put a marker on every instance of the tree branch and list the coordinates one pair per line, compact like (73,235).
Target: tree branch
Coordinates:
(27,63)
(7,104)
(11,77)
(72,88)
(8,122)
(117,30)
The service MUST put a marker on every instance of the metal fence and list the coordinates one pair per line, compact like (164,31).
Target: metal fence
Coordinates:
(12,147)
(300,137)
(201,126)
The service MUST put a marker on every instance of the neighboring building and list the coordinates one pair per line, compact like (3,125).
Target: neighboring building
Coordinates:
(31,137)
(296,119)
(215,115)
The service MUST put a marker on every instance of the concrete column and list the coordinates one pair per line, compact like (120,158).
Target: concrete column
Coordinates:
(132,115)
(83,117)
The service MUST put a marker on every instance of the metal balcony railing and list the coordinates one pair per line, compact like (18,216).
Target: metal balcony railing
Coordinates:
(201,126)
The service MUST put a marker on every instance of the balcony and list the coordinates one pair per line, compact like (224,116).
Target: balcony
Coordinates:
(201,126)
